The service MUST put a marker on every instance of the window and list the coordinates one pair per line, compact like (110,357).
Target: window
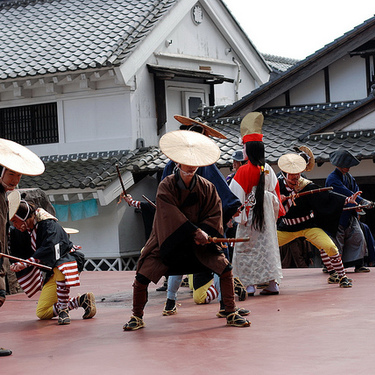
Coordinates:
(31,124)
(192,103)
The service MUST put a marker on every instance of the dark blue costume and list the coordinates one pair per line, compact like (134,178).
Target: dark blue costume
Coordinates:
(349,237)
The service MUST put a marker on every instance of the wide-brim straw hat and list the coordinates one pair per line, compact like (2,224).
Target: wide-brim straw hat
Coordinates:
(292,163)
(187,121)
(311,163)
(19,159)
(189,148)
(71,230)
(14,199)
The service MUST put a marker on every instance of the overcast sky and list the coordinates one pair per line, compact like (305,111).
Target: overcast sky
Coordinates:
(298,28)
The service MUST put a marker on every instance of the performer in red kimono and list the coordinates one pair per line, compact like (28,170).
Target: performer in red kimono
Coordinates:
(188,211)
(257,262)
(46,242)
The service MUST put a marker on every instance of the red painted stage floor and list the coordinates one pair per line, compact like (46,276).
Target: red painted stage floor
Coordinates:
(310,328)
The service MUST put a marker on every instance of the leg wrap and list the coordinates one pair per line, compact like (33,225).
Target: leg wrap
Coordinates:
(62,295)
(140,295)
(337,265)
(227,291)
(326,260)
(73,303)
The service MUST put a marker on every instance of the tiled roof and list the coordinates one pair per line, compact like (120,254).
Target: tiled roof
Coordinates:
(93,170)
(279,64)
(283,128)
(46,37)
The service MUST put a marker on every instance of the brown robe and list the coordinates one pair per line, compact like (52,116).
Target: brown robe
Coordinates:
(171,249)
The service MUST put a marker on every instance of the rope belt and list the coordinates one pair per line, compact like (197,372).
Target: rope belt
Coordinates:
(297,220)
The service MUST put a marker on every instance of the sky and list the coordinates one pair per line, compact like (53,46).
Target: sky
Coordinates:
(298,28)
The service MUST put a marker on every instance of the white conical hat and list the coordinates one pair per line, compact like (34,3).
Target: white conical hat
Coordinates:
(19,159)
(292,163)
(189,148)
(14,199)
(71,230)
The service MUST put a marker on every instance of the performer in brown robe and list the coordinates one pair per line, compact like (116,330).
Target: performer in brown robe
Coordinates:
(188,211)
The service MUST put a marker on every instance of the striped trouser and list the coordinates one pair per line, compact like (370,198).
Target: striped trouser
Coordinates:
(320,239)
(54,296)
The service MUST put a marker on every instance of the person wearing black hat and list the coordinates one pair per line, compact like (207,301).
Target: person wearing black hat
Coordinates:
(238,160)
(47,243)
(349,237)
(188,211)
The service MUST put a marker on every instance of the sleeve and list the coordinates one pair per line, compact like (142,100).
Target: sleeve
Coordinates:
(238,190)
(52,242)
(274,187)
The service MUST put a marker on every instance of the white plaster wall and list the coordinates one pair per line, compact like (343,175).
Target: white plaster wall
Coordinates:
(310,91)
(92,123)
(206,42)
(364,123)
(348,79)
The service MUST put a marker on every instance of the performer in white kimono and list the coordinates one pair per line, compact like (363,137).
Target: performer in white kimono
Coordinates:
(255,184)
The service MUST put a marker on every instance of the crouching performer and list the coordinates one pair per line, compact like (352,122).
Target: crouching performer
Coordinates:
(188,211)
(43,241)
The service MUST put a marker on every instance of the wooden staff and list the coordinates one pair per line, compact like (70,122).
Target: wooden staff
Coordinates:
(47,268)
(311,192)
(218,240)
(149,201)
(356,207)
(120,178)
(298,195)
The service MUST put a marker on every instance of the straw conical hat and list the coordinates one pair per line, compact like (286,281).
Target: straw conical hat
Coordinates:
(19,159)
(207,129)
(189,148)
(292,163)
(71,230)
(14,199)
(311,163)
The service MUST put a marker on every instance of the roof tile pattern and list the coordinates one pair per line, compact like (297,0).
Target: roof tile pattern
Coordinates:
(279,64)
(93,170)
(41,37)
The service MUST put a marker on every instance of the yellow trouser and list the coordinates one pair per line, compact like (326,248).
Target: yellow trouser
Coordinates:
(48,296)
(316,236)
(200,294)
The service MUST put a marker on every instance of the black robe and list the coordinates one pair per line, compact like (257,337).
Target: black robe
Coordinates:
(325,206)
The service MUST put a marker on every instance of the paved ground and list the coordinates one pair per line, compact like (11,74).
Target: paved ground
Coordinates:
(310,328)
